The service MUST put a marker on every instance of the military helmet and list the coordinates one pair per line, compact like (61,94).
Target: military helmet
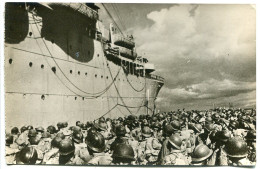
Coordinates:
(61,135)
(156,125)
(84,127)
(28,155)
(197,127)
(32,133)
(208,119)
(168,130)
(9,139)
(236,147)
(51,129)
(120,119)
(39,129)
(201,153)
(95,141)
(175,141)
(154,119)
(78,123)
(251,135)
(56,142)
(34,140)
(123,151)
(120,130)
(74,128)
(233,124)
(146,131)
(100,126)
(66,147)
(209,127)
(176,125)
(223,135)
(24,128)
(14,130)
(29,127)
(77,137)
(46,134)
(102,119)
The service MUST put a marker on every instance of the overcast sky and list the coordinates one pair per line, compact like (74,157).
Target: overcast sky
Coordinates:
(206,53)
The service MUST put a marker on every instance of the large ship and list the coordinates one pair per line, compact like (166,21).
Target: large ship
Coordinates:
(62,64)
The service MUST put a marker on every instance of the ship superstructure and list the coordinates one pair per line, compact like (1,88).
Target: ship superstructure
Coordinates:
(62,64)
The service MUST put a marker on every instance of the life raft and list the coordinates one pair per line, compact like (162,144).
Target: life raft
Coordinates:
(123,41)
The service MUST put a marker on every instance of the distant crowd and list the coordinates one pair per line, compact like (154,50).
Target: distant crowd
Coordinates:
(214,137)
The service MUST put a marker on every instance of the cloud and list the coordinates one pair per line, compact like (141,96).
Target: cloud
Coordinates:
(206,53)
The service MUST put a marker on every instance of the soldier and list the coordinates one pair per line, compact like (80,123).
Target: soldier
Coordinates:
(52,156)
(66,152)
(251,143)
(52,130)
(9,151)
(237,152)
(15,132)
(123,155)
(96,147)
(39,130)
(120,137)
(175,156)
(202,156)
(28,155)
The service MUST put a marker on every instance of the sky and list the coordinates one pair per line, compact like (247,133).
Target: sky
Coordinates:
(206,53)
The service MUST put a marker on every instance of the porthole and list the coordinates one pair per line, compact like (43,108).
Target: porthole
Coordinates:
(83,98)
(42,66)
(30,33)
(75,98)
(86,74)
(95,75)
(78,72)
(70,71)
(53,69)
(97,55)
(107,77)
(101,76)
(10,61)
(30,64)
(43,97)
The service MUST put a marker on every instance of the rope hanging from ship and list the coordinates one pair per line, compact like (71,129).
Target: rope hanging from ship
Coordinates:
(94,95)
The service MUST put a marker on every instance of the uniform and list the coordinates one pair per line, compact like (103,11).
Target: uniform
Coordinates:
(176,157)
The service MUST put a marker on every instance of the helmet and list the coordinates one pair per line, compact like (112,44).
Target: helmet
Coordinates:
(156,125)
(40,129)
(176,125)
(146,132)
(123,151)
(154,118)
(28,155)
(14,130)
(77,137)
(233,124)
(46,134)
(120,119)
(23,129)
(65,124)
(168,130)
(32,133)
(61,135)
(95,141)
(75,128)
(175,141)
(56,142)
(78,123)
(201,153)
(223,135)
(209,127)
(102,119)
(208,119)
(251,135)
(236,147)
(29,127)
(51,129)
(84,127)
(9,139)
(66,147)
(59,125)
(120,130)
(34,140)
(101,126)
(197,127)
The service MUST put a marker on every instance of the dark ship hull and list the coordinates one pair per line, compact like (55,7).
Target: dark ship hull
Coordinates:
(56,70)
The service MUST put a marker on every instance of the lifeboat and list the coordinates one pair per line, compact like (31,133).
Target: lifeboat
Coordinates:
(127,53)
(123,41)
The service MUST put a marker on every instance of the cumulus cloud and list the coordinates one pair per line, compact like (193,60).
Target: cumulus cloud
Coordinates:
(206,53)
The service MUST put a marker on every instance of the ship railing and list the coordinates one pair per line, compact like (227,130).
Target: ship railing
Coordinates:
(156,77)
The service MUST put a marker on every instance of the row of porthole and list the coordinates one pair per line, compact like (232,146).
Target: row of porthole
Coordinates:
(54,70)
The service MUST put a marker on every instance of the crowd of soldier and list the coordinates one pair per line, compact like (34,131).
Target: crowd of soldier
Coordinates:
(214,137)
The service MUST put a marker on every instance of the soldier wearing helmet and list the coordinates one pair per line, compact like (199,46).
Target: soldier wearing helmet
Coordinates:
(120,132)
(28,155)
(202,155)
(175,156)
(96,147)
(237,152)
(251,143)
(9,150)
(80,147)
(123,155)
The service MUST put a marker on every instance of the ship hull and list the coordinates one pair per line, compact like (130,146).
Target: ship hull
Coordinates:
(51,80)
